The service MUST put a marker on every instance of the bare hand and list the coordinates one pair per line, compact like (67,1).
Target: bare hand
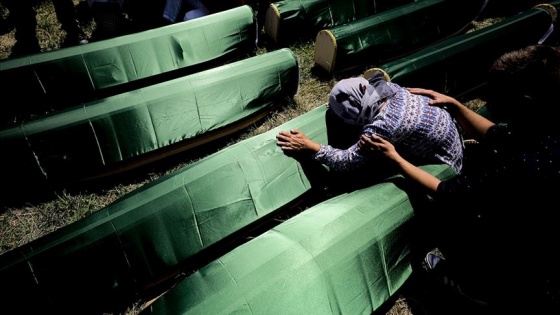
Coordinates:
(436,98)
(378,144)
(295,140)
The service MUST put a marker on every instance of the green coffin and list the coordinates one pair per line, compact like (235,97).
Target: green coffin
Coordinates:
(393,33)
(120,132)
(67,77)
(507,7)
(459,64)
(346,255)
(288,20)
(129,247)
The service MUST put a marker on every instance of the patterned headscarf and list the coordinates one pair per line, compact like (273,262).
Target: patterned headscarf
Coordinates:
(357,100)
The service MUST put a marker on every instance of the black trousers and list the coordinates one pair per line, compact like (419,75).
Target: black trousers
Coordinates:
(24,18)
(66,15)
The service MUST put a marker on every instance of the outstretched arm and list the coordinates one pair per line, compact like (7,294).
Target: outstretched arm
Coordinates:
(376,143)
(296,141)
(472,123)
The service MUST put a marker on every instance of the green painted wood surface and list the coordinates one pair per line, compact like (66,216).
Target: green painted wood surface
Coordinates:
(133,128)
(346,255)
(397,32)
(116,253)
(304,18)
(459,64)
(71,76)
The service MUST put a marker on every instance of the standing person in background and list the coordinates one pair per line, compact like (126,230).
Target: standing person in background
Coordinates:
(495,225)
(109,18)
(149,14)
(145,14)
(183,10)
(24,19)
(66,14)
(6,25)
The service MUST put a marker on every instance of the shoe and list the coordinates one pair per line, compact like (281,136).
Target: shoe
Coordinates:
(439,270)
(74,39)
(82,39)
(431,259)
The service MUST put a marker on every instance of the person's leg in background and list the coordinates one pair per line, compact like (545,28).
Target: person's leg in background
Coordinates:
(24,18)
(109,19)
(66,15)
(172,9)
(146,14)
(183,10)
(6,24)
(194,9)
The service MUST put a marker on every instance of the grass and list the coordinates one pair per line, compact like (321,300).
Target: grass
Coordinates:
(23,223)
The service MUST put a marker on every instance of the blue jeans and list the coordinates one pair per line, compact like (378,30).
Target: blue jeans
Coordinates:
(173,8)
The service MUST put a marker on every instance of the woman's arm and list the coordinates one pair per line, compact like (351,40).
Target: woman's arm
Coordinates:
(295,140)
(336,159)
(472,123)
(378,144)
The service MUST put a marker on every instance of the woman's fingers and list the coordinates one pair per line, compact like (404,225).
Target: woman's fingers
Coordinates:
(367,143)
(292,140)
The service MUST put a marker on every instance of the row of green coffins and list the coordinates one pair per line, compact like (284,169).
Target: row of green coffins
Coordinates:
(349,254)
(287,19)
(346,255)
(459,64)
(70,76)
(124,131)
(152,233)
(393,33)
(175,223)
(130,129)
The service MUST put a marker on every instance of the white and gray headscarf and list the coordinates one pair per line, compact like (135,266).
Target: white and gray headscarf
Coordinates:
(354,105)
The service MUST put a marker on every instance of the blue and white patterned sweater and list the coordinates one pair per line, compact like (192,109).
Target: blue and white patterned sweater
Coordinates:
(421,133)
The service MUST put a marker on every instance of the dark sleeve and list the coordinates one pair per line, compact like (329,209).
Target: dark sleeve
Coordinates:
(480,168)
(495,134)
(458,184)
